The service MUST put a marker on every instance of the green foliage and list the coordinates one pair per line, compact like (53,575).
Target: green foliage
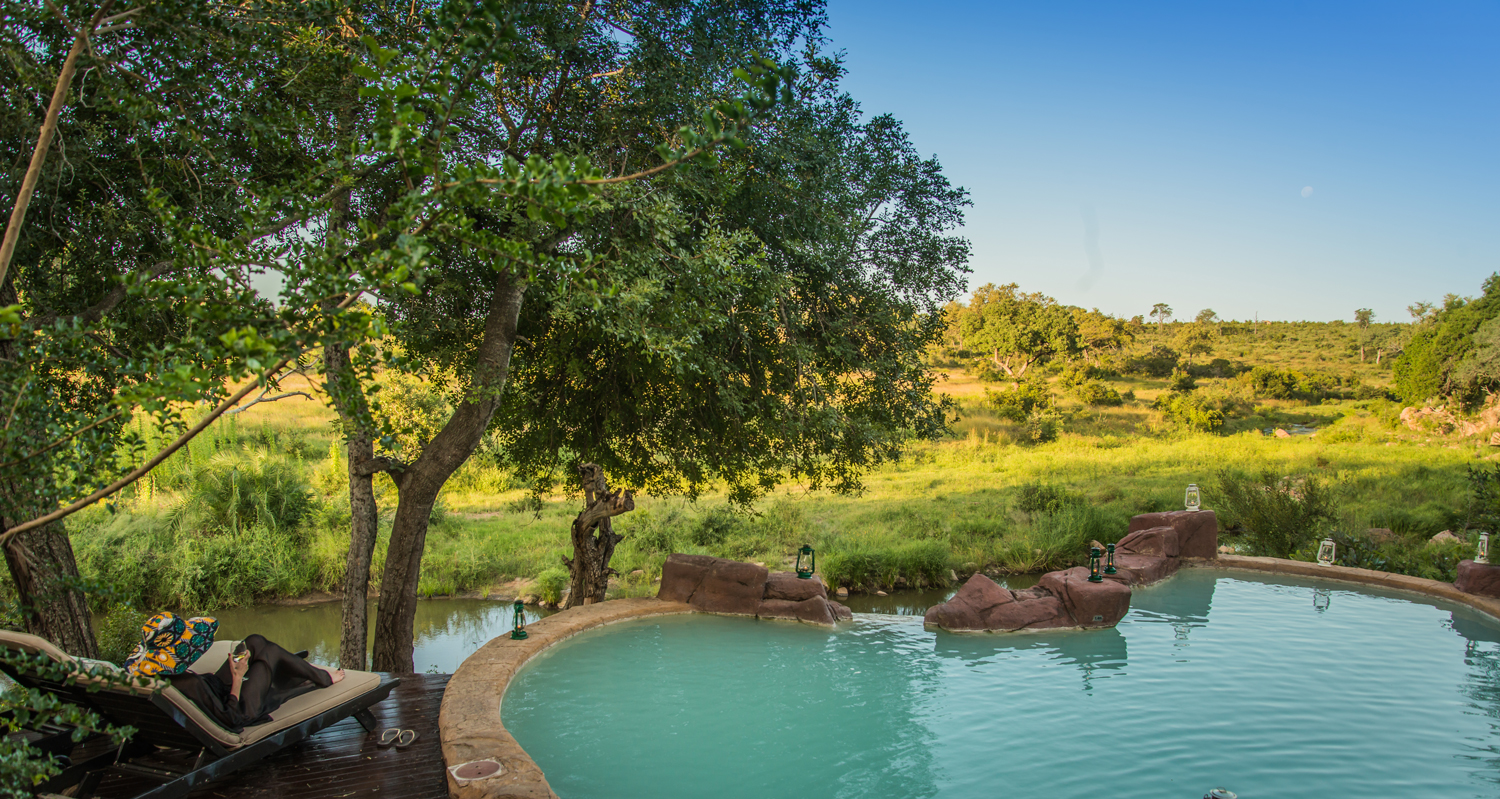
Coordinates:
(1423,559)
(1099,394)
(1160,361)
(918,563)
(24,709)
(551,583)
(118,630)
(1039,498)
(1193,411)
(242,491)
(1448,355)
(1279,515)
(1015,330)
(1026,398)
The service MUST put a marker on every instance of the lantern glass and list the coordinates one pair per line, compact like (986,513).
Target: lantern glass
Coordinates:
(1483,555)
(518,630)
(1325,552)
(807,564)
(1193,500)
(1109,560)
(1094,574)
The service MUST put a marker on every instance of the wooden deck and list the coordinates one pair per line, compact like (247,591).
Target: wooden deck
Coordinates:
(341,762)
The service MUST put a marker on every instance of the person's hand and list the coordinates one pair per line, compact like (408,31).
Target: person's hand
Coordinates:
(237,668)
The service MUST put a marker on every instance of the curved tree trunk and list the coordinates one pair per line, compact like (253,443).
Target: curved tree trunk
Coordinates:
(420,482)
(588,570)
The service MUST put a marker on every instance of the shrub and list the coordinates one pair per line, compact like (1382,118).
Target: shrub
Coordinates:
(118,631)
(1042,427)
(1418,559)
(1096,393)
(1280,515)
(1191,411)
(550,584)
(919,563)
(1159,362)
(715,527)
(1035,498)
(1021,402)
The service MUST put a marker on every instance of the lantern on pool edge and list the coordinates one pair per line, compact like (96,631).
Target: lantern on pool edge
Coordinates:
(1094,575)
(518,631)
(807,570)
(1109,560)
(1325,552)
(1193,500)
(1483,555)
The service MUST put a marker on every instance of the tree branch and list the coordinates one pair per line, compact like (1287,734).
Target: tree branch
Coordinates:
(264,398)
(44,140)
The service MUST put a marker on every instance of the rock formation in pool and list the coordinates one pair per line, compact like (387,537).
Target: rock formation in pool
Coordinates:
(1152,550)
(717,585)
(1480,579)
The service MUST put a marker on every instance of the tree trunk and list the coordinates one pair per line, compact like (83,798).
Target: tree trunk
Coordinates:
(588,570)
(1361,353)
(420,482)
(46,576)
(348,399)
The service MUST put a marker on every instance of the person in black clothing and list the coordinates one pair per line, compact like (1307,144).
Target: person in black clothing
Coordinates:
(252,683)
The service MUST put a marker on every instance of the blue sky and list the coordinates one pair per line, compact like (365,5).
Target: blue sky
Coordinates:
(1181,139)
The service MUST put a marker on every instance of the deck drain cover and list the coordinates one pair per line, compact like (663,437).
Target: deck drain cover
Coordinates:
(475,770)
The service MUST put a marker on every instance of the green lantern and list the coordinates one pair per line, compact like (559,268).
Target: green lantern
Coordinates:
(518,631)
(1094,575)
(806,552)
(1109,563)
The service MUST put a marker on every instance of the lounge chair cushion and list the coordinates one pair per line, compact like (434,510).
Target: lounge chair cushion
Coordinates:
(300,708)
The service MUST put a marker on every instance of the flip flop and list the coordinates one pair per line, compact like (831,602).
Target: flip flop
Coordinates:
(406,738)
(387,737)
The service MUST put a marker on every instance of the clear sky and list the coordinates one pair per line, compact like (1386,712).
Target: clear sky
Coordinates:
(1291,160)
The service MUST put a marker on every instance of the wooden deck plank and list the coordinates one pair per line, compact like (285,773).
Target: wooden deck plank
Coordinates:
(341,762)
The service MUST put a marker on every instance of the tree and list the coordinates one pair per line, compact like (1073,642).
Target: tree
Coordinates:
(1363,317)
(1205,316)
(1161,312)
(1194,339)
(1420,311)
(1018,330)
(1432,363)
(1099,333)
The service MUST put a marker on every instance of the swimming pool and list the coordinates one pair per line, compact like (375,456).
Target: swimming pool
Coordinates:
(1268,686)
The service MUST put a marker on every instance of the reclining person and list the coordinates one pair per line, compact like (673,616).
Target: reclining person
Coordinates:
(251,684)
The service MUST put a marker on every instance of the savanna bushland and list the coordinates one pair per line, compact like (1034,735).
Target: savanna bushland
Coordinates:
(1030,471)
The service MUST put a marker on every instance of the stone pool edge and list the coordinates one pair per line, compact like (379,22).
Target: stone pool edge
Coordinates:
(469,722)
(1349,574)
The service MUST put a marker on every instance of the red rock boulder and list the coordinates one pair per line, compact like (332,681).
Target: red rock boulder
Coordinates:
(713,585)
(1158,542)
(1142,569)
(1197,530)
(983,605)
(840,612)
(814,610)
(1480,579)
(1100,604)
(788,586)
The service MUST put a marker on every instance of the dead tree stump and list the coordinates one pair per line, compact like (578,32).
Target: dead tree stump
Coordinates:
(594,539)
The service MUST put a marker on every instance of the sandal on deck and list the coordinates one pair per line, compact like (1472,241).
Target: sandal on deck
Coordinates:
(388,737)
(406,738)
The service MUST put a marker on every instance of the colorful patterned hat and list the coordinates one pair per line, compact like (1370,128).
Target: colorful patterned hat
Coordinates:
(169,645)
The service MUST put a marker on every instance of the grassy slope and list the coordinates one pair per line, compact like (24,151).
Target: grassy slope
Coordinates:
(954,504)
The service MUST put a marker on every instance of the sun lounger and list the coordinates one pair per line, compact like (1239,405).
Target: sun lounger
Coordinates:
(166,719)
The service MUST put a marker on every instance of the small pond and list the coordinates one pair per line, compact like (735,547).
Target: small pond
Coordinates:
(447,630)
(1279,687)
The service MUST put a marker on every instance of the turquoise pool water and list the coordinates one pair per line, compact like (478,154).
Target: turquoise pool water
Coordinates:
(1269,687)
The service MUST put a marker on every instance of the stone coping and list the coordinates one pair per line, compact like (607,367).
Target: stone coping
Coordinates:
(1349,574)
(469,724)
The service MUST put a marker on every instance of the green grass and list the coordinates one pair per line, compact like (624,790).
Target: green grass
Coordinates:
(946,510)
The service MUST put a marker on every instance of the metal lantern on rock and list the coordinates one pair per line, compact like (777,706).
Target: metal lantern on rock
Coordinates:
(1193,500)
(1109,559)
(1325,552)
(1483,555)
(810,566)
(1094,575)
(518,629)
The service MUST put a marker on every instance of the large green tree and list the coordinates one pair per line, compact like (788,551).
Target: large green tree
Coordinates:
(1451,354)
(1017,330)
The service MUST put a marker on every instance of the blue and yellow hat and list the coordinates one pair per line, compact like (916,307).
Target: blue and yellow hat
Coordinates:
(169,645)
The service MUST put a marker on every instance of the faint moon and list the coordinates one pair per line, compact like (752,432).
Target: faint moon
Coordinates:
(1307,191)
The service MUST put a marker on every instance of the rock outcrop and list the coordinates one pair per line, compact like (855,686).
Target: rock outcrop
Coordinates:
(1067,600)
(1152,550)
(717,585)
(1480,579)
(1197,530)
